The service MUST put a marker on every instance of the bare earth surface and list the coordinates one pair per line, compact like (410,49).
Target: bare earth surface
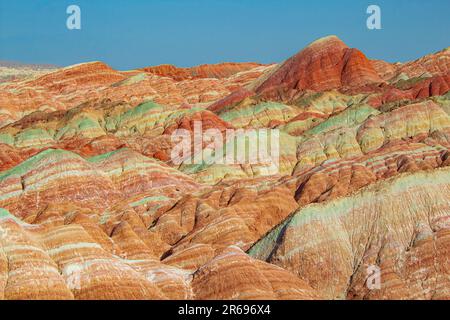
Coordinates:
(93,207)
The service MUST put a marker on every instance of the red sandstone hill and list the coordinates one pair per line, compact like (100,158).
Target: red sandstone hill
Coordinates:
(329,64)
(93,207)
(325,64)
(218,71)
(66,88)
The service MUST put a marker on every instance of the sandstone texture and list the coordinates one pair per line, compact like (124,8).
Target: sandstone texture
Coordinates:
(94,206)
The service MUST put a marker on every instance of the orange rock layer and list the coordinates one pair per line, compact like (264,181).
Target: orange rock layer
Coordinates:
(92,205)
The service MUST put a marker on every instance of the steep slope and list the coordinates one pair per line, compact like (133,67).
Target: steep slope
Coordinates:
(69,263)
(218,71)
(399,225)
(65,88)
(323,65)
(93,205)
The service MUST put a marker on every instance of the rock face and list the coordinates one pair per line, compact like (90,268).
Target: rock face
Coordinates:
(10,71)
(93,205)
(69,87)
(400,225)
(217,71)
(324,65)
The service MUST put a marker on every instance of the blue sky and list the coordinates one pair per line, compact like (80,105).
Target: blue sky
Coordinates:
(135,33)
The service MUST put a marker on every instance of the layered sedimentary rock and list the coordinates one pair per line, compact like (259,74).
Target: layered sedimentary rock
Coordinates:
(95,129)
(95,203)
(218,71)
(324,65)
(10,71)
(399,225)
(328,64)
(66,262)
(54,175)
(432,64)
(68,87)
(234,275)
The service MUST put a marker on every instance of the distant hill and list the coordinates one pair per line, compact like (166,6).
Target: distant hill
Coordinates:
(20,65)
(12,70)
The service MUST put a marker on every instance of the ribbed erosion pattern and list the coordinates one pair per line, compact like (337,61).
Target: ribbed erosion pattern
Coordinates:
(355,177)
(401,225)
(66,262)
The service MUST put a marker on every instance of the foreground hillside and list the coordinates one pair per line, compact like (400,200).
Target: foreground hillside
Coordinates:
(93,205)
